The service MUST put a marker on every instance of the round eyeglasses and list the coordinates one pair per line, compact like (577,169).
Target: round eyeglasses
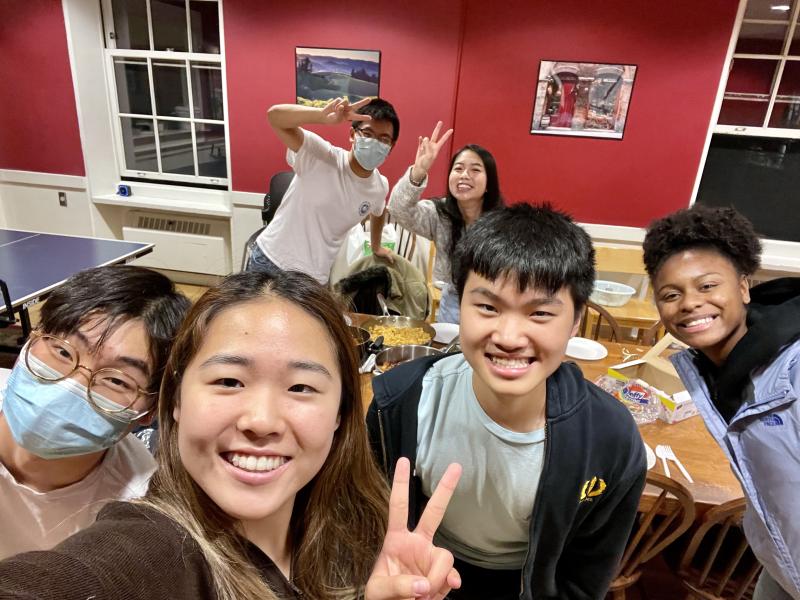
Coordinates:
(110,391)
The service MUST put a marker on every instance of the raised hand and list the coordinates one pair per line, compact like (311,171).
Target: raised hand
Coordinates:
(427,151)
(340,110)
(409,565)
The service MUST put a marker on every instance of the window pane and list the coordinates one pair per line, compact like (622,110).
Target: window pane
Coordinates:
(774,10)
(133,86)
(786,112)
(759,38)
(175,138)
(211,150)
(169,25)
(207,91)
(169,81)
(794,48)
(743,112)
(139,143)
(205,27)
(130,24)
(751,76)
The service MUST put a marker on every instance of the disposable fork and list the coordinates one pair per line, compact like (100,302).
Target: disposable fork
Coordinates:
(661,453)
(670,454)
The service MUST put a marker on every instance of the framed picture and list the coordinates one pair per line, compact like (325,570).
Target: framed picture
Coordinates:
(582,99)
(323,74)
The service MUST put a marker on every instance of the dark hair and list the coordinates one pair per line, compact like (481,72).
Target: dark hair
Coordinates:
(118,294)
(448,207)
(536,245)
(722,229)
(380,110)
(339,517)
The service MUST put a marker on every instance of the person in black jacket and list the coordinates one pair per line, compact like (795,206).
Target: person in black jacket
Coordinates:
(553,467)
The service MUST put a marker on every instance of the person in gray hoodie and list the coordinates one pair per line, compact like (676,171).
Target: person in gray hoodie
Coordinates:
(741,369)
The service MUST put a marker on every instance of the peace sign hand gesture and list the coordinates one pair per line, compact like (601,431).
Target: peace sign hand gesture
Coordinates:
(427,151)
(340,110)
(409,565)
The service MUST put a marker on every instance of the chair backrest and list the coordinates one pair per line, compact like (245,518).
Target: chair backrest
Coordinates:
(652,334)
(660,523)
(278,185)
(602,313)
(406,242)
(727,570)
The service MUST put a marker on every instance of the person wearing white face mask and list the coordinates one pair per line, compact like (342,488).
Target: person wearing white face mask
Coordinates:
(84,380)
(333,188)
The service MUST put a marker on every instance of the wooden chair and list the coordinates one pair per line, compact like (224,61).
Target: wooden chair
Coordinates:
(651,335)
(406,242)
(659,524)
(596,322)
(730,574)
(434,292)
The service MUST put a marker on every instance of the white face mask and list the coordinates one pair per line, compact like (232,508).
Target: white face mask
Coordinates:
(370,152)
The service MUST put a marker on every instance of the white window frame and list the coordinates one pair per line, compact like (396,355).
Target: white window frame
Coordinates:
(150,56)
(765,130)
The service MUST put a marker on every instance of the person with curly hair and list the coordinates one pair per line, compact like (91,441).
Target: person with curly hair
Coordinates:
(741,369)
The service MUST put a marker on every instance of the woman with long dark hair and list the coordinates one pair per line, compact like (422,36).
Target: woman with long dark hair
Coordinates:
(266,487)
(473,188)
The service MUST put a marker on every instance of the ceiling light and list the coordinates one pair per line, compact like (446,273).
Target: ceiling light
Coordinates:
(780,7)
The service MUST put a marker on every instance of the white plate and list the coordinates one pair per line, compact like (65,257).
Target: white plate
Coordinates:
(651,457)
(445,332)
(584,349)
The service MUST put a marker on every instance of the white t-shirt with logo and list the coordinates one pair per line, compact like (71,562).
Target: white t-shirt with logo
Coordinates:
(323,202)
(31,520)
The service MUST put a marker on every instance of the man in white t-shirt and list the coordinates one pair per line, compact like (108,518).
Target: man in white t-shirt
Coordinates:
(333,188)
(87,376)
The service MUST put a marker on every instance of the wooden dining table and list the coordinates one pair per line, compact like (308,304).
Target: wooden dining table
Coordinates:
(714,482)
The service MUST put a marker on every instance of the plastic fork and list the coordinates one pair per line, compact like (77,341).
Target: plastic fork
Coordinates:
(661,452)
(670,454)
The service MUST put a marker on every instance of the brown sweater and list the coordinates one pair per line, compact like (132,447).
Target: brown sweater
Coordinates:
(130,553)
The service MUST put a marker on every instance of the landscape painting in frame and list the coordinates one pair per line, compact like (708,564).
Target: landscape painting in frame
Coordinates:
(327,73)
(582,99)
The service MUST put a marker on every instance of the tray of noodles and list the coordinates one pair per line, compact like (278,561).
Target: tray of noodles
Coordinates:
(400,331)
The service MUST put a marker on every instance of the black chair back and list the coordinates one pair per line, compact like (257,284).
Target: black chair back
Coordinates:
(278,185)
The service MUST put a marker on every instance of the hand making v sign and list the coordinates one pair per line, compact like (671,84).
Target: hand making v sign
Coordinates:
(339,110)
(427,151)
(410,566)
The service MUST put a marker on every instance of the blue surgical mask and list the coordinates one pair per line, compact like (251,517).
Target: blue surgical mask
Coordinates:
(55,420)
(370,152)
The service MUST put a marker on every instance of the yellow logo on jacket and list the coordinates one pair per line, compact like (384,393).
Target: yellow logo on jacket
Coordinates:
(592,488)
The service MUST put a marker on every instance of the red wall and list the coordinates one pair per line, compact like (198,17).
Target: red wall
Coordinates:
(679,47)
(468,62)
(418,40)
(38,118)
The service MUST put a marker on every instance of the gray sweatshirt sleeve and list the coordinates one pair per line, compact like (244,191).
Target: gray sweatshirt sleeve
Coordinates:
(409,211)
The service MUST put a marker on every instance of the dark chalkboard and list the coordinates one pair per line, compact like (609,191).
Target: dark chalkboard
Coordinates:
(760,177)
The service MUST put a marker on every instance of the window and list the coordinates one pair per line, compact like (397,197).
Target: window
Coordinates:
(753,161)
(165,72)
(762,94)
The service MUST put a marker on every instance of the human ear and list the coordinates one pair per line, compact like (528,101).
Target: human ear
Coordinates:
(744,288)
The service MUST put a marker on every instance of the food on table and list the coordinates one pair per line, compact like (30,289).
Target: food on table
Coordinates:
(399,336)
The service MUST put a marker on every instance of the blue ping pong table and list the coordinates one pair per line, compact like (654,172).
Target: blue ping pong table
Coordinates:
(34,264)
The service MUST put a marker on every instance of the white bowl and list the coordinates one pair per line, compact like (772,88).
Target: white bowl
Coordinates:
(611,293)
(445,332)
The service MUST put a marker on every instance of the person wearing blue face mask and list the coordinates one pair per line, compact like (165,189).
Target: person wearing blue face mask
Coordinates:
(333,189)
(86,377)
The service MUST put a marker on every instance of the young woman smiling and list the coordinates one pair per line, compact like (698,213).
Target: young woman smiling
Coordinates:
(472,189)
(265,486)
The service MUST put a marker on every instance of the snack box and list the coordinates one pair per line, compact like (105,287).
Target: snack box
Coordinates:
(661,376)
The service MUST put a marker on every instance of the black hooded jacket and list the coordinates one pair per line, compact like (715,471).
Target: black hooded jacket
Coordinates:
(592,477)
(773,322)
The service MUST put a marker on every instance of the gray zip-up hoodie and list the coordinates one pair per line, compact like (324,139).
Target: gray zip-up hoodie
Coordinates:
(762,437)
